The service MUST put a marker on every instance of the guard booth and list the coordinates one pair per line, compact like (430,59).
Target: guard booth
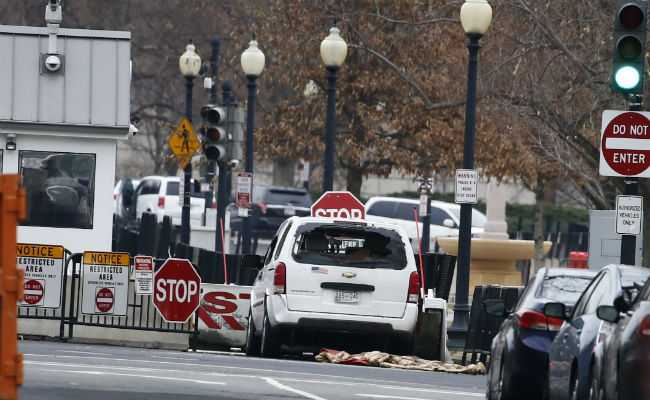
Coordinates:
(64,104)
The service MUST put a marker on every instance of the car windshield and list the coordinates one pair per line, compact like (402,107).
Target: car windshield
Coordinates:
(354,245)
(562,288)
(632,282)
(478,218)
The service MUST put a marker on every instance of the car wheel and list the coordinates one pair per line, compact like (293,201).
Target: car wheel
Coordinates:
(503,390)
(269,346)
(574,388)
(252,342)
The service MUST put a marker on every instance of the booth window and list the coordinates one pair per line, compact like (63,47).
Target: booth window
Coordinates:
(60,189)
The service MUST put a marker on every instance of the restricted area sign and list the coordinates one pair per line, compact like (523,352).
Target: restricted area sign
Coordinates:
(43,266)
(625,144)
(183,142)
(466,186)
(176,290)
(338,205)
(143,274)
(629,214)
(104,283)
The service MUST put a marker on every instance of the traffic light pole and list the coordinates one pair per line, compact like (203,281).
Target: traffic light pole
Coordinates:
(185,213)
(222,185)
(214,67)
(628,242)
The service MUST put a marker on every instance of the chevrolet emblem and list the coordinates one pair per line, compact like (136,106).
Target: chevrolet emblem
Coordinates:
(349,274)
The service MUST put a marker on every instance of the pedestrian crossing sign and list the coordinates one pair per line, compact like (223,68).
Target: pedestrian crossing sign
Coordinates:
(183,142)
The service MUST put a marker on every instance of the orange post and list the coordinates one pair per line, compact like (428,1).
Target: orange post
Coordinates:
(12,210)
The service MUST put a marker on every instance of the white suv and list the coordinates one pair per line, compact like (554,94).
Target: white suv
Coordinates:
(160,195)
(445,217)
(324,279)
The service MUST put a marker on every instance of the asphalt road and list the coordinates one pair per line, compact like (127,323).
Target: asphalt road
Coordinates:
(56,371)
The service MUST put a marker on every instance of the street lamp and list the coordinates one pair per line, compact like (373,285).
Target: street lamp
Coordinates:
(190,64)
(475,17)
(252,62)
(333,50)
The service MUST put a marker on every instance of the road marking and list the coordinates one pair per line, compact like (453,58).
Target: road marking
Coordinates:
(381,396)
(280,386)
(163,378)
(83,352)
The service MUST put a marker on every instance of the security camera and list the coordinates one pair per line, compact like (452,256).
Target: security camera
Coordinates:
(52,63)
(133,130)
(233,163)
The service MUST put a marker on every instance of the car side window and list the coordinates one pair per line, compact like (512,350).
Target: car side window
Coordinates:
(150,186)
(269,251)
(438,216)
(524,294)
(405,211)
(282,239)
(600,295)
(584,299)
(382,209)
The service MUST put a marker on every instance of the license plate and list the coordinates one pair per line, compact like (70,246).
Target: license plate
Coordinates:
(344,296)
(290,211)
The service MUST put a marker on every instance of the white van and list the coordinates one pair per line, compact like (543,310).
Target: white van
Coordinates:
(322,276)
(160,195)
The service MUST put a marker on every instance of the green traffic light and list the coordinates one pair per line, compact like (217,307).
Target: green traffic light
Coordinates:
(627,78)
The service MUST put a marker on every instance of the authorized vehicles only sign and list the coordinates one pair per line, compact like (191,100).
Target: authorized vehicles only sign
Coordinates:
(105,283)
(43,266)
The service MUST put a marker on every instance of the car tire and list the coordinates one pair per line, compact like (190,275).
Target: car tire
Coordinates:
(252,342)
(504,386)
(269,346)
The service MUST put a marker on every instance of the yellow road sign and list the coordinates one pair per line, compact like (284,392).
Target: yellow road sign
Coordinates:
(183,142)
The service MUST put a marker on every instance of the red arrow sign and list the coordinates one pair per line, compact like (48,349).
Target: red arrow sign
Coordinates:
(338,205)
(176,290)
(625,144)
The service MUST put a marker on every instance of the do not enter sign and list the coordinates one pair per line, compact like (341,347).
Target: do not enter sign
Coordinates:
(625,144)
(176,290)
(104,299)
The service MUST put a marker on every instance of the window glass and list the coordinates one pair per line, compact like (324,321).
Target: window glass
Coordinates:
(382,209)
(584,298)
(563,289)
(352,246)
(172,188)
(150,186)
(284,236)
(478,219)
(631,282)
(601,295)
(269,251)
(524,296)
(645,294)
(60,188)
(405,211)
(298,198)
(438,216)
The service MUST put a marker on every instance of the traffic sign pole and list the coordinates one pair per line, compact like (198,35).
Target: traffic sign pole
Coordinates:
(628,242)
(185,213)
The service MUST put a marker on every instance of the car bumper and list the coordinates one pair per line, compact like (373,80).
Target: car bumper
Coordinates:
(528,369)
(281,316)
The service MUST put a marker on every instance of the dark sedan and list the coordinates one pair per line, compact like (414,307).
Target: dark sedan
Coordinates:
(623,365)
(571,357)
(520,350)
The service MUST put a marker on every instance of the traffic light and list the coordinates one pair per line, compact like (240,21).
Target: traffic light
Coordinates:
(629,41)
(214,132)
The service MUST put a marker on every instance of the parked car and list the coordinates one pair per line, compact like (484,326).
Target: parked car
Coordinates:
(445,217)
(572,352)
(622,366)
(271,206)
(160,195)
(119,203)
(324,280)
(519,354)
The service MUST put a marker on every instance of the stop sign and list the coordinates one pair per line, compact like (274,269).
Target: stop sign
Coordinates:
(625,144)
(338,205)
(176,290)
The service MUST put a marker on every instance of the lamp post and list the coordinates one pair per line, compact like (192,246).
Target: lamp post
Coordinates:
(475,17)
(252,62)
(190,64)
(333,50)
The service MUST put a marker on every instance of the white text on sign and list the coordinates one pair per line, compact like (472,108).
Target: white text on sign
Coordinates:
(338,213)
(175,290)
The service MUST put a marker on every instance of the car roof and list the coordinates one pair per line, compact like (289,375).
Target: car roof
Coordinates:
(323,220)
(567,272)
(442,204)
(162,178)
(626,268)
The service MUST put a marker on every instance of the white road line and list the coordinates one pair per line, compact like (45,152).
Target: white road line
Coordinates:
(162,378)
(83,352)
(381,396)
(280,386)
(174,358)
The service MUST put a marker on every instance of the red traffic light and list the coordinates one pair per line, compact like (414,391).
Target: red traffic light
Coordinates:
(631,17)
(213,114)
(215,133)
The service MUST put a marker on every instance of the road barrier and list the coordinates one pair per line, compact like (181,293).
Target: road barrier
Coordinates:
(484,327)
(12,210)
(438,272)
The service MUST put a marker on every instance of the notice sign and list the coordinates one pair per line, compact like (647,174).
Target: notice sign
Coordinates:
(629,213)
(143,274)
(244,191)
(105,283)
(466,183)
(43,266)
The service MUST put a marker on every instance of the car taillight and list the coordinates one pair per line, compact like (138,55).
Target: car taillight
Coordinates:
(644,327)
(280,279)
(528,319)
(161,202)
(414,288)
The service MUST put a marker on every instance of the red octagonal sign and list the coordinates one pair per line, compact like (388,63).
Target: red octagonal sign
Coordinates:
(625,144)
(176,291)
(338,205)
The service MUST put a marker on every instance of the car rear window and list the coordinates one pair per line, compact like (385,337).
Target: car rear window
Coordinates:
(286,196)
(355,245)
(172,188)
(562,288)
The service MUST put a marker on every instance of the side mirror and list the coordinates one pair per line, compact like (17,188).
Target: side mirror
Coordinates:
(608,313)
(449,223)
(555,310)
(495,307)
